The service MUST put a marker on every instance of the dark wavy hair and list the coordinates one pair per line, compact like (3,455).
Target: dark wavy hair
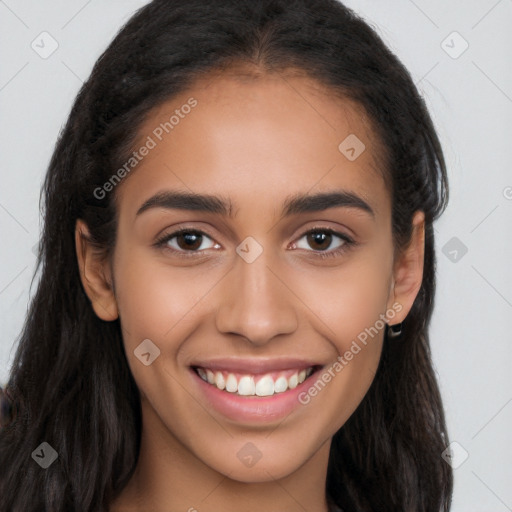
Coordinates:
(70,384)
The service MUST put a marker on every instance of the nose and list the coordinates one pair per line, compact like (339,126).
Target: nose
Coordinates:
(255,303)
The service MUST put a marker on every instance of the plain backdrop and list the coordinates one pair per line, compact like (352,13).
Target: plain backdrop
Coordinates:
(459,53)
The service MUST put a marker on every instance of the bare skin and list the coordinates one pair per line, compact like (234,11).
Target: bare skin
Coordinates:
(255,141)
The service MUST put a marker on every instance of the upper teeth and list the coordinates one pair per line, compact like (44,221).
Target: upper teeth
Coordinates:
(247,385)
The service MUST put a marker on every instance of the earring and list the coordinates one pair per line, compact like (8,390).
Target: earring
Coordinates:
(395,330)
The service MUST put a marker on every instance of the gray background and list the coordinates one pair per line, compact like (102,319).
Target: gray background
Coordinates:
(470,98)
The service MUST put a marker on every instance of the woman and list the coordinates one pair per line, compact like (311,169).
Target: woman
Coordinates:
(238,275)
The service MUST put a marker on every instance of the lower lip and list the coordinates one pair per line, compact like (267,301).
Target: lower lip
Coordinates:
(253,409)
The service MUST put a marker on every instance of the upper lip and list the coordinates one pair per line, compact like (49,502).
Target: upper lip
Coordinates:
(255,365)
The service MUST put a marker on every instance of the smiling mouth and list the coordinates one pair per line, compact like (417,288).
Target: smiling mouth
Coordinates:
(246,384)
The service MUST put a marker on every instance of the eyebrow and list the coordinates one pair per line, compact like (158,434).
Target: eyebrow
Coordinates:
(299,203)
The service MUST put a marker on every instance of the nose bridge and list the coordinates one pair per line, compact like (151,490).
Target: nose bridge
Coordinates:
(255,303)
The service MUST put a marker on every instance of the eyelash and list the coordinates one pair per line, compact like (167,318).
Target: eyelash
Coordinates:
(348,242)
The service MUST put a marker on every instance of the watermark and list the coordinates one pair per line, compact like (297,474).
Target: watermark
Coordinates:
(507,193)
(455,455)
(352,147)
(343,360)
(454,45)
(45,455)
(249,249)
(146,352)
(152,141)
(249,455)
(454,249)
(44,45)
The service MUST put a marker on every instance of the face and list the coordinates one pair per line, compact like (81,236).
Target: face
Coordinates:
(279,284)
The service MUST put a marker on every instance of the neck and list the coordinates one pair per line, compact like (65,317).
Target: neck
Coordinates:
(170,478)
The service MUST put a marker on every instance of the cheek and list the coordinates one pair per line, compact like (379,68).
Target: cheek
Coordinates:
(153,297)
(347,303)
(349,299)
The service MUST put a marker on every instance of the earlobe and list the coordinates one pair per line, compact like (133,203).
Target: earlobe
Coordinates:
(95,274)
(408,270)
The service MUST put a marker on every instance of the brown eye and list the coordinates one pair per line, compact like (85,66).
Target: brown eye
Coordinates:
(322,239)
(186,240)
(319,240)
(189,240)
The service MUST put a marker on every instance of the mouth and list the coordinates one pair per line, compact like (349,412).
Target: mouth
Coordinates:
(252,391)
(260,384)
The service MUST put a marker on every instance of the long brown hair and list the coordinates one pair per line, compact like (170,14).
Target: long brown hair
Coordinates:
(70,384)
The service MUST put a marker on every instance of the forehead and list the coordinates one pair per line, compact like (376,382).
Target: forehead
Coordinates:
(265,137)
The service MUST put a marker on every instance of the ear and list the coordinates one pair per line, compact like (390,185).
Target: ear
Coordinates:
(408,270)
(95,274)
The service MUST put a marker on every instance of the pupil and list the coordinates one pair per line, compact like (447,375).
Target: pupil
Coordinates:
(191,240)
(320,237)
